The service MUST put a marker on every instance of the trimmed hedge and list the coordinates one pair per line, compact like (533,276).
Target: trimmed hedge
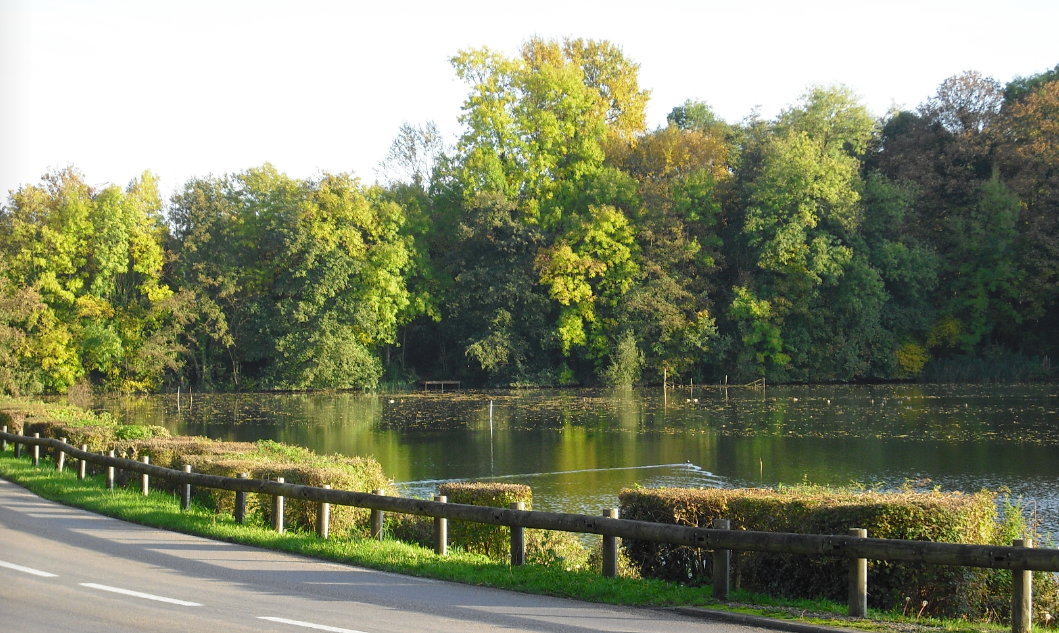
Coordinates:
(491,540)
(261,460)
(99,431)
(543,547)
(341,473)
(934,516)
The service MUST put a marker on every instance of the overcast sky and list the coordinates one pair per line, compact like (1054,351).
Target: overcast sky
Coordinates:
(190,88)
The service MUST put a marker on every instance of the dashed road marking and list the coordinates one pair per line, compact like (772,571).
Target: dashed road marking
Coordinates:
(309,625)
(137,594)
(28,570)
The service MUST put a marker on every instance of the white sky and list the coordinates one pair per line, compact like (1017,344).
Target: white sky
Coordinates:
(189,88)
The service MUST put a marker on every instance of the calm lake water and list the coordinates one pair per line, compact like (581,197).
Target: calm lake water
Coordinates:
(579,448)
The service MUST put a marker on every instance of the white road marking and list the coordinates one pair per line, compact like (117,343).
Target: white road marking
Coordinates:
(137,594)
(310,625)
(28,570)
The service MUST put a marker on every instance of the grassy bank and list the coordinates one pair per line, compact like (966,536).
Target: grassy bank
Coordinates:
(161,510)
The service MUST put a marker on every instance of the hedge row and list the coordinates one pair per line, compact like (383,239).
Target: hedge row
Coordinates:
(99,431)
(260,460)
(491,540)
(934,516)
(543,547)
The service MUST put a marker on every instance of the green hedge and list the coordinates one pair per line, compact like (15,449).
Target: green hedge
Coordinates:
(99,431)
(341,473)
(543,547)
(933,516)
(491,540)
(261,460)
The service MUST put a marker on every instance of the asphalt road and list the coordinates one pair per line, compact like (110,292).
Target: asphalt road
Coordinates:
(64,569)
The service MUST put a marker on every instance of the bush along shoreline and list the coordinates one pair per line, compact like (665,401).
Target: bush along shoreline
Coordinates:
(960,592)
(649,574)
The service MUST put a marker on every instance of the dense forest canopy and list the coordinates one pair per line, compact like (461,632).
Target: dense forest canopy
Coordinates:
(558,241)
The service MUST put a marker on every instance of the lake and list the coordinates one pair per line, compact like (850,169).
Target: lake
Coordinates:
(579,448)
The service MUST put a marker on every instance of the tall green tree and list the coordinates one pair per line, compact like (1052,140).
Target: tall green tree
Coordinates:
(535,134)
(95,259)
(301,280)
(802,216)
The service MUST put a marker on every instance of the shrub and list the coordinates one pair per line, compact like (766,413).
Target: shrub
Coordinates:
(174,452)
(933,516)
(261,460)
(492,540)
(625,363)
(98,431)
(543,547)
(298,466)
(411,528)
(560,549)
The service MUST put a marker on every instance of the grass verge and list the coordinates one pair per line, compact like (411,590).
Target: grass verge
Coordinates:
(161,510)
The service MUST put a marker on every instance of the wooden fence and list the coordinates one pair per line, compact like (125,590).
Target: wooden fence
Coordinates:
(1022,558)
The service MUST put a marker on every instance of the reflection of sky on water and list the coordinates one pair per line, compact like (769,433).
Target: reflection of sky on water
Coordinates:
(579,448)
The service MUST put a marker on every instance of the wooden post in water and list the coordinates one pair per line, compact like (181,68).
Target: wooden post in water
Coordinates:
(665,381)
(240,501)
(610,548)
(1021,594)
(323,516)
(377,518)
(144,477)
(722,560)
(277,509)
(441,530)
(858,580)
(110,473)
(185,492)
(82,465)
(36,451)
(60,461)
(518,539)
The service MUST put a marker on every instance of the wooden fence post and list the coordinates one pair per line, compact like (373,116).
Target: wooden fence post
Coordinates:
(185,491)
(82,465)
(518,539)
(110,473)
(240,501)
(323,516)
(1021,594)
(18,449)
(858,580)
(277,509)
(144,478)
(377,518)
(3,442)
(441,530)
(36,451)
(722,562)
(610,548)
(61,457)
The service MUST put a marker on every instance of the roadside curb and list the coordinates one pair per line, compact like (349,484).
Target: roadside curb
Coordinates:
(761,621)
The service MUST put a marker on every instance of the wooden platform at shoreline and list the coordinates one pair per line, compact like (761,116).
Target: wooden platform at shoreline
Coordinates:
(441,384)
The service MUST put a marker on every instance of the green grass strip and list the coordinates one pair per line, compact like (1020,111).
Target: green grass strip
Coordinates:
(162,510)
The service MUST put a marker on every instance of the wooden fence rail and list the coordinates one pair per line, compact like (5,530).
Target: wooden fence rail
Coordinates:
(1021,559)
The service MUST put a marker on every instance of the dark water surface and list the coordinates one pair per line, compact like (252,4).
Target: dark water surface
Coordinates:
(579,448)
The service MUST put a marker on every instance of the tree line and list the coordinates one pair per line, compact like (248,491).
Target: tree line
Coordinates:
(559,241)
